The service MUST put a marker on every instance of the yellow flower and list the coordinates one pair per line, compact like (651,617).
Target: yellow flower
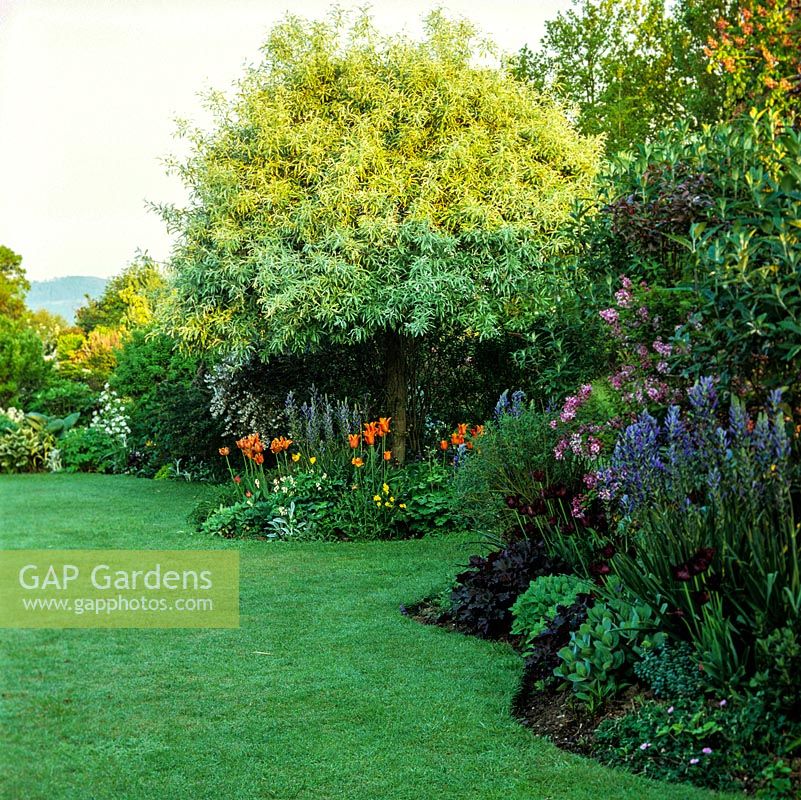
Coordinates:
(387,505)
(313,460)
(377,498)
(385,488)
(402,505)
(296,457)
(391,499)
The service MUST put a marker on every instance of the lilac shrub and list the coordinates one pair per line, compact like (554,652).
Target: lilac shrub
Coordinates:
(641,377)
(640,380)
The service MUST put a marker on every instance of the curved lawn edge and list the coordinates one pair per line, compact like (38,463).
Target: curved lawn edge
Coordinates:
(326,691)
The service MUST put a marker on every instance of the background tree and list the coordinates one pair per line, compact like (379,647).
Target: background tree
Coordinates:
(127,300)
(23,368)
(613,60)
(695,23)
(13,284)
(359,187)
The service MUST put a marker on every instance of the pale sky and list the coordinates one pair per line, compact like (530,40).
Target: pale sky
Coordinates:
(89,90)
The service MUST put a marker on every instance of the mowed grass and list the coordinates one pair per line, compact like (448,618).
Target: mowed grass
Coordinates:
(326,690)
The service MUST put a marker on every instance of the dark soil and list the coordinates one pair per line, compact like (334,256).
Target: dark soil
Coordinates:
(427,613)
(555,715)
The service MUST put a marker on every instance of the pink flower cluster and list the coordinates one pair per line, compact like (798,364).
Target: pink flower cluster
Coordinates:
(610,316)
(574,402)
(582,442)
(577,507)
(663,349)
(639,379)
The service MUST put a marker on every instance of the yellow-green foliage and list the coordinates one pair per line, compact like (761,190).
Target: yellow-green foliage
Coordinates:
(343,150)
(24,442)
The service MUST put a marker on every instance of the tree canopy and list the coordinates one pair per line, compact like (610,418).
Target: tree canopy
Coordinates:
(355,183)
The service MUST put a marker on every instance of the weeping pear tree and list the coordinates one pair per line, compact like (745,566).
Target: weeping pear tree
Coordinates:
(358,186)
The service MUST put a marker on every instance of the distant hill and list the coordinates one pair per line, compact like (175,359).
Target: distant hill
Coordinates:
(63,296)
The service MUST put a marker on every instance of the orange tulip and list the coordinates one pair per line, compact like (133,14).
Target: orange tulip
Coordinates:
(462,428)
(477,431)
(387,455)
(258,458)
(370,432)
(443,445)
(354,439)
(224,451)
(357,462)
(280,444)
(250,445)
(383,424)
(457,439)
(469,445)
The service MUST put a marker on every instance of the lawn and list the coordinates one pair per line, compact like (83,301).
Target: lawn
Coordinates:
(326,690)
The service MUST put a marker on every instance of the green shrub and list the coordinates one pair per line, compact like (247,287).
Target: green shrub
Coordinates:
(712,214)
(597,661)
(515,446)
(778,665)
(168,405)
(63,397)
(720,745)
(671,671)
(431,505)
(92,450)
(538,605)
(23,369)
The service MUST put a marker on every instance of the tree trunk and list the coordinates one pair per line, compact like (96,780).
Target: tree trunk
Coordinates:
(397,391)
